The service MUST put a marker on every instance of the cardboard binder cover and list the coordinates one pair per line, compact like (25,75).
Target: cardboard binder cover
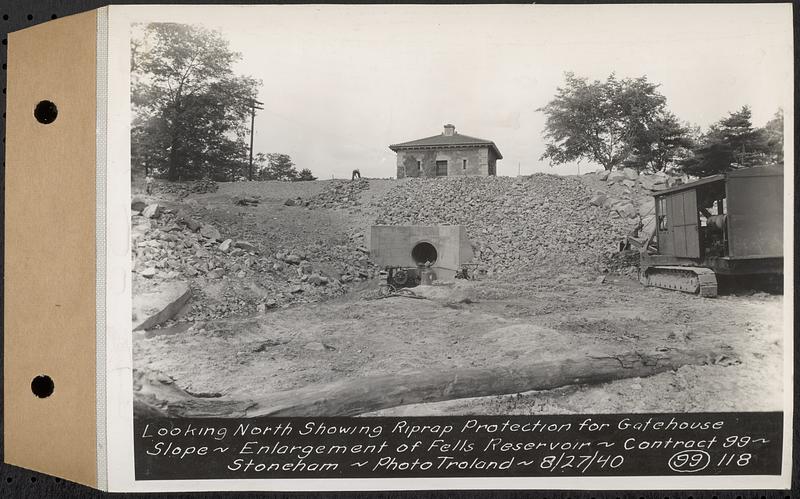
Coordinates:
(50,250)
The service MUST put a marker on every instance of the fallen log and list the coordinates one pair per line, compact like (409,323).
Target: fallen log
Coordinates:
(358,396)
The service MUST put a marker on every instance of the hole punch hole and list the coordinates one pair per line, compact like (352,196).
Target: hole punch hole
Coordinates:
(42,386)
(45,112)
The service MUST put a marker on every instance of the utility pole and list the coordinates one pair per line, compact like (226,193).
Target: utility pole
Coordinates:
(254,105)
(519,168)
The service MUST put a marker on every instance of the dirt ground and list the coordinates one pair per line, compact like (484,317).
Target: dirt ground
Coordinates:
(547,315)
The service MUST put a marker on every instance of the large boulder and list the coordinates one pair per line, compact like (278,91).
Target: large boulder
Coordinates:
(148,272)
(603,175)
(152,211)
(646,206)
(598,199)
(647,182)
(610,202)
(630,173)
(156,307)
(615,176)
(659,178)
(627,210)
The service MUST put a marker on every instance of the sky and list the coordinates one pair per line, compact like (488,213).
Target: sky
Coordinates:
(341,83)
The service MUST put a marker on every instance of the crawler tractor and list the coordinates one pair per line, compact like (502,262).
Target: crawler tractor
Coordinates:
(727,225)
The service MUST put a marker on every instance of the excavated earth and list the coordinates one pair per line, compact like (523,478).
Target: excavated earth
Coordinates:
(284,295)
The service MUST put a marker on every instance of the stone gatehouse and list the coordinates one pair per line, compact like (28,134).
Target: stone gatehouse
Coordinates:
(449,154)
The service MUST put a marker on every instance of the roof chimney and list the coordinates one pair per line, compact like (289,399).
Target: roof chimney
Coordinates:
(449,130)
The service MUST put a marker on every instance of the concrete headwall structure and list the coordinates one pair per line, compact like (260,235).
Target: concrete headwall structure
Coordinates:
(407,245)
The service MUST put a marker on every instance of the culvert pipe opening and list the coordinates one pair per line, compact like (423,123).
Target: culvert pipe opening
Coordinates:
(423,253)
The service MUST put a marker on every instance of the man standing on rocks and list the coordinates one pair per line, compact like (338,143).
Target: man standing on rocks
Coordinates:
(148,180)
(356,173)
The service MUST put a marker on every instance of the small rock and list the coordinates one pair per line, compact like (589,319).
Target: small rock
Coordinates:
(292,259)
(315,346)
(210,232)
(225,245)
(192,224)
(149,272)
(305,267)
(244,201)
(317,280)
(245,246)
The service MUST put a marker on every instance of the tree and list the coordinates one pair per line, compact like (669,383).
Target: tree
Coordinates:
(660,145)
(598,121)
(305,174)
(732,143)
(773,136)
(190,109)
(278,167)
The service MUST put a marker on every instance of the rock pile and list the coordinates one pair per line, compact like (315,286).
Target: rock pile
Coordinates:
(246,200)
(231,274)
(628,194)
(514,223)
(183,189)
(625,262)
(340,194)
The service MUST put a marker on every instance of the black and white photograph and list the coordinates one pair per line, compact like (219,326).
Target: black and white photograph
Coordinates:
(462,212)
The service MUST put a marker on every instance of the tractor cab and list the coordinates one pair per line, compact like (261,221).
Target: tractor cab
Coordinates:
(727,224)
